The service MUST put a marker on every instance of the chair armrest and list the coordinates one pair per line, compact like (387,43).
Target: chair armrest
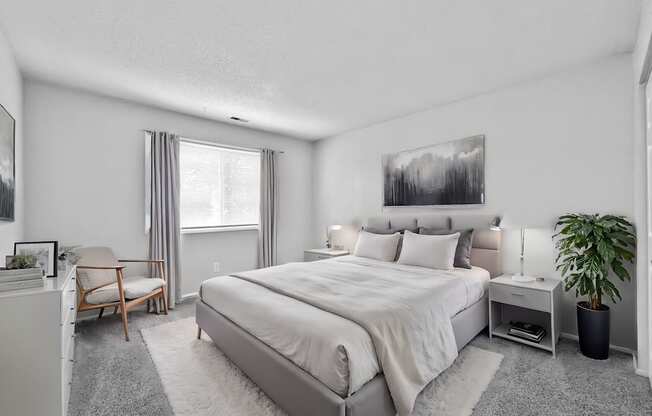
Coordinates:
(141,261)
(101,267)
(118,275)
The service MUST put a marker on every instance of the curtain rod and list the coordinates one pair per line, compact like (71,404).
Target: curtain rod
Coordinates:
(212,143)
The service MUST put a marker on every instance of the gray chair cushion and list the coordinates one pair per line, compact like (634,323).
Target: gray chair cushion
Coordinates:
(97,257)
(134,287)
(464,244)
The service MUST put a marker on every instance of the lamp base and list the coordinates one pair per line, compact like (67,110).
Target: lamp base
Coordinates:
(523,278)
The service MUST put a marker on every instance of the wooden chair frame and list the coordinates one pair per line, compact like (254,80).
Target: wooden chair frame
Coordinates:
(123,304)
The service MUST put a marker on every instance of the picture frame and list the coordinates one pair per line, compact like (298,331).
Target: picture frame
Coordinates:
(444,174)
(7,165)
(46,253)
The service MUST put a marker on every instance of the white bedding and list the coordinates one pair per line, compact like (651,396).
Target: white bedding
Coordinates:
(337,351)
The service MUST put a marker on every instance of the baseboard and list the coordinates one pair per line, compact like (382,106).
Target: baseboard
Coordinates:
(189,296)
(637,369)
(626,350)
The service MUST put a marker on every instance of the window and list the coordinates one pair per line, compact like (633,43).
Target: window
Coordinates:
(220,186)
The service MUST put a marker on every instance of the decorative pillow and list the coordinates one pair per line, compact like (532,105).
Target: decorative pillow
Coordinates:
(432,251)
(391,231)
(377,246)
(464,244)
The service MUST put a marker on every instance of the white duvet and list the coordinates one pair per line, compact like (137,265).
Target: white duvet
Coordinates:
(345,319)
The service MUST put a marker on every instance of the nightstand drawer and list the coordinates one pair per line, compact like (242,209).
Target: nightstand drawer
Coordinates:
(315,257)
(520,296)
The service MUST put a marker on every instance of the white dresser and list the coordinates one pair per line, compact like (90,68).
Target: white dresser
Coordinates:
(37,346)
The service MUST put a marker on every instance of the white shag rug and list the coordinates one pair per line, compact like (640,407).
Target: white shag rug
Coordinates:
(200,381)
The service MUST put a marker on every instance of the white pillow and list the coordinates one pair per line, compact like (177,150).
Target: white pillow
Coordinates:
(432,251)
(377,246)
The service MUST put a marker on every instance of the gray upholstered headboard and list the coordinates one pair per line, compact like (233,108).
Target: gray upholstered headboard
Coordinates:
(487,241)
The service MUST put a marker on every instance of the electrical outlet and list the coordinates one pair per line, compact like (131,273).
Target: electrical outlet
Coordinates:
(216,267)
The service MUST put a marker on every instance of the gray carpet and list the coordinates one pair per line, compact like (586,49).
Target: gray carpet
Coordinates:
(114,377)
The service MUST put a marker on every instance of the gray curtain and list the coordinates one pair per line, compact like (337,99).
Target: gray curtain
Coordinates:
(267,234)
(163,224)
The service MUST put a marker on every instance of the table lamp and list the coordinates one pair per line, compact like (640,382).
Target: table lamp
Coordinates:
(330,229)
(522,224)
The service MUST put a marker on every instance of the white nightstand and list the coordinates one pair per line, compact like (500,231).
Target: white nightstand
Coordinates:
(322,254)
(535,302)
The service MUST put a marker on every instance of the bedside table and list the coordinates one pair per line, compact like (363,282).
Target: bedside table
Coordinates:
(534,302)
(322,254)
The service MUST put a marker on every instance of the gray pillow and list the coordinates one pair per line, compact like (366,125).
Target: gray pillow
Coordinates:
(388,230)
(464,244)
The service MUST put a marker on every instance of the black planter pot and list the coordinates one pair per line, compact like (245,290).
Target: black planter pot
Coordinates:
(593,330)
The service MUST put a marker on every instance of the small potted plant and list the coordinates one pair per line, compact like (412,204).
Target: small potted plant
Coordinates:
(67,255)
(590,248)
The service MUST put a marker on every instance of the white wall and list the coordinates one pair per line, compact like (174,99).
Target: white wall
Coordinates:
(11,97)
(85,184)
(559,144)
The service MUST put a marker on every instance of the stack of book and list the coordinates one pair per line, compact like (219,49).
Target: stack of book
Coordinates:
(524,330)
(15,279)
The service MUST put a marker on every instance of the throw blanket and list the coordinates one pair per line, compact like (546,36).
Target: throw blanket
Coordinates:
(405,317)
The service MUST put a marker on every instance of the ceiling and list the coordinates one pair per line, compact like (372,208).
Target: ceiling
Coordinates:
(307,68)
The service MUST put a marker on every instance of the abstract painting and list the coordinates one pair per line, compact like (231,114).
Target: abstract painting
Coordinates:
(7,165)
(449,173)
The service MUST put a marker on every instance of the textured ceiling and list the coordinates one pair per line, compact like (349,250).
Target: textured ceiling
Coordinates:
(308,68)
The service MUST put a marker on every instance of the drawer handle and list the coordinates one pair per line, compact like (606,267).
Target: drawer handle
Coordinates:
(72,308)
(71,290)
(71,360)
(517,294)
(72,323)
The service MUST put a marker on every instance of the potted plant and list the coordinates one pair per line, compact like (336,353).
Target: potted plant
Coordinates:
(590,248)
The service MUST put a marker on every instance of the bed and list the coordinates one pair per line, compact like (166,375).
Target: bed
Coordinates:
(312,361)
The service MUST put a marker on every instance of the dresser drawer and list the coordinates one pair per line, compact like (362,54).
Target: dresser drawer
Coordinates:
(520,296)
(67,361)
(66,375)
(69,301)
(67,336)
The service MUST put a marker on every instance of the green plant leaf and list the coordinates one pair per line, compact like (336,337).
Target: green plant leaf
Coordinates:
(590,248)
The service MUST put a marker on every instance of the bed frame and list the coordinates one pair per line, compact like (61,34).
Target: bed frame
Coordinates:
(297,391)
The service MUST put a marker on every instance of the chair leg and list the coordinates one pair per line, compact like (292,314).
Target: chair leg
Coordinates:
(161,270)
(115,310)
(149,305)
(125,325)
(100,315)
(198,332)
(165,300)
(123,305)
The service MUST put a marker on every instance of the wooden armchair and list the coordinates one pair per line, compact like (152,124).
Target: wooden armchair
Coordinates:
(102,284)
